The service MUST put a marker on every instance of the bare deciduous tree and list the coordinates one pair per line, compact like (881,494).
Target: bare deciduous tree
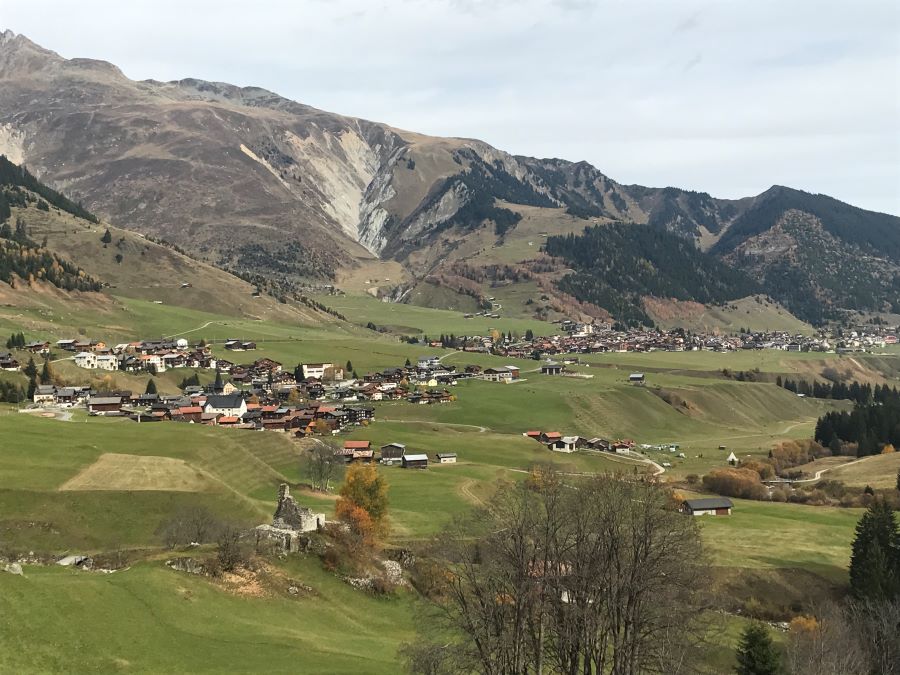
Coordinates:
(321,466)
(857,638)
(600,575)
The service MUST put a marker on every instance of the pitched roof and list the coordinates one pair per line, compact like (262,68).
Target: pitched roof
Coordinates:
(357,445)
(709,503)
(225,400)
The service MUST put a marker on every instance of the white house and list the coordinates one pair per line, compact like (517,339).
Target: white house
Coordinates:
(231,405)
(446,457)
(106,362)
(710,506)
(316,370)
(86,360)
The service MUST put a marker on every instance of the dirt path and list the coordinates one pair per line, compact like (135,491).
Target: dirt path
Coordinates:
(194,330)
(466,489)
(481,429)
(819,473)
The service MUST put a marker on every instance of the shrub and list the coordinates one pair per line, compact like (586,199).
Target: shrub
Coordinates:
(735,482)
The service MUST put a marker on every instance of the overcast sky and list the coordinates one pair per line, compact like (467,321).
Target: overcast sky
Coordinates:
(728,97)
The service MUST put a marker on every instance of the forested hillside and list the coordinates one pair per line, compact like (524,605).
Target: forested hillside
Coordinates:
(19,188)
(615,265)
(22,257)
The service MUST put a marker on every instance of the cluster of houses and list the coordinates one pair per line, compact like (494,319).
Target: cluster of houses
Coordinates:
(226,407)
(556,442)
(587,338)
(390,454)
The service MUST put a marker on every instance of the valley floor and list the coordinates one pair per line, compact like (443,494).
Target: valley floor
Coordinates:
(90,485)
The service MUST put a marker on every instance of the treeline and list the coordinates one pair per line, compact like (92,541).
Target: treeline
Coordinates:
(484,183)
(18,176)
(871,425)
(877,232)
(33,263)
(839,391)
(616,264)
(10,392)
(16,341)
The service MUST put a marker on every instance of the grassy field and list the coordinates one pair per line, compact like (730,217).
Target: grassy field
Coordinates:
(770,535)
(415,320)
(150,619)
(878,472)
(94,484)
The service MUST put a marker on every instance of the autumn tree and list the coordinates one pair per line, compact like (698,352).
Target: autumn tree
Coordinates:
(366,488)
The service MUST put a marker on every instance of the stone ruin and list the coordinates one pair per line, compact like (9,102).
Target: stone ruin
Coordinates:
(289,522)
(291,516)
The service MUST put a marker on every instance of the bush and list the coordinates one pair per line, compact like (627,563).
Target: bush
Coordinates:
(735,482)
(231,551)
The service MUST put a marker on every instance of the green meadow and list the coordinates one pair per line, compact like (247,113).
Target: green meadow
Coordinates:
(93,485)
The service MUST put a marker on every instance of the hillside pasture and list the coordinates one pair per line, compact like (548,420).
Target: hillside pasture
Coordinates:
(114,471)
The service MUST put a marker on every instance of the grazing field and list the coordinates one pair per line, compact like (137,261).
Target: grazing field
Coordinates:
(878,471)
(113,471)
(100,484)
(150,619)
(770,535)
(415,320)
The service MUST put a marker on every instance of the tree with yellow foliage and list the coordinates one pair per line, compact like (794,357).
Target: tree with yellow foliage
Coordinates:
(366,488)
(887,449)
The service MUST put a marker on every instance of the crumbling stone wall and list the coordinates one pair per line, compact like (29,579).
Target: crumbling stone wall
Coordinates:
(291,516)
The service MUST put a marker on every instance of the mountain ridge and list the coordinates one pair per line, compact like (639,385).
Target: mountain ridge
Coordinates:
(257,183)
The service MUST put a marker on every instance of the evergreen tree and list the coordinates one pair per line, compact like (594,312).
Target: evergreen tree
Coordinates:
(349,367)
(30,369)
(875,557)
(408,363)
(46,373)
(529,335)
(32,387)
(151,386)
(107,237)
(756,654)
(218,385)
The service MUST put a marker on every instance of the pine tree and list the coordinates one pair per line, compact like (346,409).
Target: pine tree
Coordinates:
(151,386)
(875,557)
(756,654)
(349,367)
(46,374)
(30,370)
(32,387)
(107,237)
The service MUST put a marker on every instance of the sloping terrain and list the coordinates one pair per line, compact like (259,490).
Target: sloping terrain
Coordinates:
(259,184)
(53,252)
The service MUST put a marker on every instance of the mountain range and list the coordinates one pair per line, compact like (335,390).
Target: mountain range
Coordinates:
(262,185)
